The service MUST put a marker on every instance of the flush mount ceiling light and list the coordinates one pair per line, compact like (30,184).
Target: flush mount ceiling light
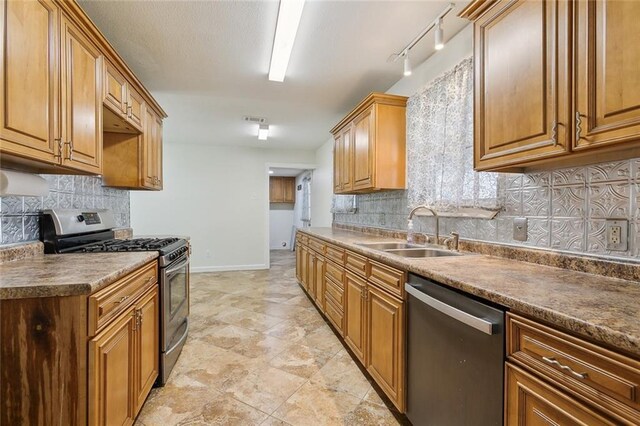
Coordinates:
(270,172)
(263,132)
(289,15)
(439,39)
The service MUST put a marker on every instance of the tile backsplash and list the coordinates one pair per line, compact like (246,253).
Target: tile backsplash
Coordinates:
(566,210)
(19,215)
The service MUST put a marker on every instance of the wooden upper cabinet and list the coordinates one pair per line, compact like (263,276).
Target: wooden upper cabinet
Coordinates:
(115,90)
(135,108)
(363,154)
(29,74)
(521,84)
(81,101)
(556,82)
(282,189)
(152,151)
(607,73)
(369,148)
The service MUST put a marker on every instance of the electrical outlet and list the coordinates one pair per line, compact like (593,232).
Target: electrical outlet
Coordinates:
(520,229)
(616,234)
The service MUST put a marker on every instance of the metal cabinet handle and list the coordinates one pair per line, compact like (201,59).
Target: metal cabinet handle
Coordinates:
(60,147)
(578,124)
(553,361)
(70,143)
(122,299)
(129,111)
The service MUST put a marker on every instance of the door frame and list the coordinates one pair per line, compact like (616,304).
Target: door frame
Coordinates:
(267,166)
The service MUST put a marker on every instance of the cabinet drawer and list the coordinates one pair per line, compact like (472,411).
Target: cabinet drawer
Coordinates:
(335,253)
(316,245)
(336,292)
(388,278)
(335,272)
(600,375)
(356,263)
(107,303)
(334,315)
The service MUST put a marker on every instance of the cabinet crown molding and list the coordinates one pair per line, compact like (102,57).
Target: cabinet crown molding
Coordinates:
(373,98)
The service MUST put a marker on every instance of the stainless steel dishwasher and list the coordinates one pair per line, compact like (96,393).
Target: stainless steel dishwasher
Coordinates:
(455,357)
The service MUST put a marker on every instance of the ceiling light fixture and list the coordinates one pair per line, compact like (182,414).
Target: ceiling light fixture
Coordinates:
(439,36)
(263,132)
(439,39)
(407,65)
(270,172)
(289,15)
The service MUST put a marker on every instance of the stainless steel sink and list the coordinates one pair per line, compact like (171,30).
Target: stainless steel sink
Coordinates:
(388,246)
(423,252)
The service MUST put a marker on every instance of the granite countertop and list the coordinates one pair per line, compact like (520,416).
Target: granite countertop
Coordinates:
(604,309)
(46,275)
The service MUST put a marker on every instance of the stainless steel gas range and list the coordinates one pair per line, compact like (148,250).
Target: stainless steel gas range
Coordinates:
(90,231)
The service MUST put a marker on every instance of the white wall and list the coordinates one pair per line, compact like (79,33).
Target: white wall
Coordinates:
(297,211)
(456,49)
(280,226)
(217,195)
(322,186)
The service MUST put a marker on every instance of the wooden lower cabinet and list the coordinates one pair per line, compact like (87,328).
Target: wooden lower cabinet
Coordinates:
(319,282)
(530,401)
(299,263)
(111,372)
(123,363)
(355,314)
(386,343)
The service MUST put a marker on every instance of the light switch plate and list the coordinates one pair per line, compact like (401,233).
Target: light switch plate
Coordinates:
(616,234)
(520,228)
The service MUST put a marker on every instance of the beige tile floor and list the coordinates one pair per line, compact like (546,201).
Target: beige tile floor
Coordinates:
(259,353)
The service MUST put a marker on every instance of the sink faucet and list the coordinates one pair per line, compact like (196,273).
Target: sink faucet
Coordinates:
(433,212)
(452,241)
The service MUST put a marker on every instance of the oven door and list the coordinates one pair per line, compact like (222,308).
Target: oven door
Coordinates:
(175,302)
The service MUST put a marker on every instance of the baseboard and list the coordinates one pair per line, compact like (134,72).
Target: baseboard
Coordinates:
(225,268)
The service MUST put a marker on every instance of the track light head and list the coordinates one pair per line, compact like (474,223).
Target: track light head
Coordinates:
(407,65)
(439,35)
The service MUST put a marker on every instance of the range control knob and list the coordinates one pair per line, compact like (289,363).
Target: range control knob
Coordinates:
(80,218)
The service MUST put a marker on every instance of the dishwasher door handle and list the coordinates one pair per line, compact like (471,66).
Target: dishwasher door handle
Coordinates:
(480,324)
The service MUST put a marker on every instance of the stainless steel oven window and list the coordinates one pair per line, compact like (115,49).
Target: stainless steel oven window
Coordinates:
(178,279)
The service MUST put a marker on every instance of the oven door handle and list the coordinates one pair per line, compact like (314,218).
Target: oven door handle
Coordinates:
(178,267)
(182,339)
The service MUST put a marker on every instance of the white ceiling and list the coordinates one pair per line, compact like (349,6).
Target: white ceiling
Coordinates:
(206,62)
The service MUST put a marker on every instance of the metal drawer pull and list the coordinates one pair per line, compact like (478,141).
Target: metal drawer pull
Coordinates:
(554,361)
(122,299)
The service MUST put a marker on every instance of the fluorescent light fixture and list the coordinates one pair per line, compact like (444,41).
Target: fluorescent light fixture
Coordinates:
(407,65)
(270,172)
(263,132)
(439,36)
(288,20)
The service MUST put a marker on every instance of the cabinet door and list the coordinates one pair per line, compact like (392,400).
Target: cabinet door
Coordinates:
(289,190)
(304,270)
(158,153)
(385,343)
(81,101)
(521,83)
(311,273)
(147,345)
(276,190)
(337,164)
(29,79)
(150,151)
(530,401)
(319,284)
(346,169)
(355,314)
(363,150)
(111,373)
(115,90)
(607,73)
(135,108)
(298,262)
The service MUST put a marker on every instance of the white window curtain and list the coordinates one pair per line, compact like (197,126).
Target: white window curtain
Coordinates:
(440,149)
(306,200)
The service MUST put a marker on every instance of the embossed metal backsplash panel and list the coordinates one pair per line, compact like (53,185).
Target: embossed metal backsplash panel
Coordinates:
(566,209)
(19,215)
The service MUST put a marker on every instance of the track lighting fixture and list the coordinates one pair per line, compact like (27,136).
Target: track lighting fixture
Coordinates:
(437,24)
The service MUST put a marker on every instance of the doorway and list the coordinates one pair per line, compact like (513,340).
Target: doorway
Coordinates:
(289,205)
